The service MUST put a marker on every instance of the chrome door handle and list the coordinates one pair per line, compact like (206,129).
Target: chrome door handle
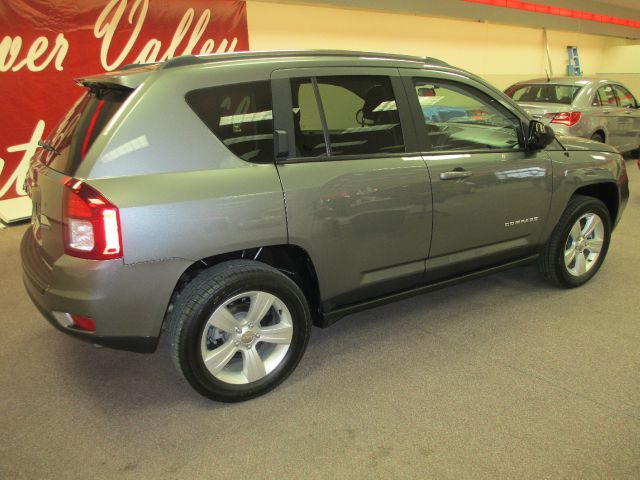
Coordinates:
(455,175)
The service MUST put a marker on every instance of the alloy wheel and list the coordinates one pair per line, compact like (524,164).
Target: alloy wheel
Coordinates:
(584,244)
(247,337)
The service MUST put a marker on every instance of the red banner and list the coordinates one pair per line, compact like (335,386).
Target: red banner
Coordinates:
(47,43)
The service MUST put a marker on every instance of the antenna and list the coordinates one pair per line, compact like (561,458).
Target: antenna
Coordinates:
(546,46)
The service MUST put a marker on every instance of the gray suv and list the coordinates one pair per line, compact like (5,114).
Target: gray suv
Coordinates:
(236,200)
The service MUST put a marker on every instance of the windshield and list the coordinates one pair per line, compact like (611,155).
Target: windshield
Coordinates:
(69,142)
(544,93)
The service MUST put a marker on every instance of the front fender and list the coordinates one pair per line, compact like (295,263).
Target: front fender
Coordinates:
(592,172)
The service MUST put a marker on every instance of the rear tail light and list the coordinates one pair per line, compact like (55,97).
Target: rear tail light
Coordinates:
(566,118)
(83,323)
(91,223)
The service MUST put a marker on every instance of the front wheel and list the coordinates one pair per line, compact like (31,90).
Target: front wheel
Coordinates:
(578,244)
(238,330)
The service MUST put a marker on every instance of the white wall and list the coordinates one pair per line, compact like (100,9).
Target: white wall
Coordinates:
(502,54)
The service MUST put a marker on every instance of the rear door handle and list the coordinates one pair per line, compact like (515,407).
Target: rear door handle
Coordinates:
(455,174)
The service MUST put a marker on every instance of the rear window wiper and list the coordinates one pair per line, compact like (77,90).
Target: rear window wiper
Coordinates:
(47,146)
(99,90)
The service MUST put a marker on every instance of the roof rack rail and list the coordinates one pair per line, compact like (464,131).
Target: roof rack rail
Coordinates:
(135,65)
(185,60)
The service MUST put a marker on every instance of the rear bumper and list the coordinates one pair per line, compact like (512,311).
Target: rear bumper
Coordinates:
(134,344)
(127,302)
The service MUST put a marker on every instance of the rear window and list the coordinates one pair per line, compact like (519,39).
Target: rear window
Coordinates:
(544,93)
(240,116)
(73,136)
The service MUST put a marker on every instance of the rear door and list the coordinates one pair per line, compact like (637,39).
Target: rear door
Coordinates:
(629,119)
(490,196)
(357,193)
(610,115)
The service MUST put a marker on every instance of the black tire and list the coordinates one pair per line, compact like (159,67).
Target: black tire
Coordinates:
(598,137)
(212,289)
(552,261)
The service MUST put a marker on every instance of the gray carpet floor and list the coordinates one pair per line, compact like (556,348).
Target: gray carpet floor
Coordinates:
(503,377)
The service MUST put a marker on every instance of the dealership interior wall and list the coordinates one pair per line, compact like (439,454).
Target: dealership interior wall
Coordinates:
(502,54)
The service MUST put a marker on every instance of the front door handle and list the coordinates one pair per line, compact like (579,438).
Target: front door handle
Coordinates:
(455,174)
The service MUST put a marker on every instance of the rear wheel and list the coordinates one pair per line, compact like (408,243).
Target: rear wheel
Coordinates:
(238,330)
(598,137)
(578,244)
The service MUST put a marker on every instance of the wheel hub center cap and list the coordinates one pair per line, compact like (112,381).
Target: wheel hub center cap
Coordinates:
(247,337)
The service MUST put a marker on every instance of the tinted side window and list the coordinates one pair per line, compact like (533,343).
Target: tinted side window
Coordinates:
(606,96)
(309,135)
(240,116)
(624,97)
(360,114)
(458,119)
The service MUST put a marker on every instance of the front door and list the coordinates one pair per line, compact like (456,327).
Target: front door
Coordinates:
(490,196)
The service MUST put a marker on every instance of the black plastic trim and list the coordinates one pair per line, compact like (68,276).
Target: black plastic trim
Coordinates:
(339,158)
(333,316)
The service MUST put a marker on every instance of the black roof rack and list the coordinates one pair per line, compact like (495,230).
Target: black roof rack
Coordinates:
(185,60)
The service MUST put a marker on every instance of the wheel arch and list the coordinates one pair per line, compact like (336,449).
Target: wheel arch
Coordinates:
(607,193)
(292,260)
(601,131)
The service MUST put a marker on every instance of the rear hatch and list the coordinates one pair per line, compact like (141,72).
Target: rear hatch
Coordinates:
(544,100)
(60,155)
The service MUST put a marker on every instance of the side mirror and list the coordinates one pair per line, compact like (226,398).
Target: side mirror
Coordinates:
(539,135)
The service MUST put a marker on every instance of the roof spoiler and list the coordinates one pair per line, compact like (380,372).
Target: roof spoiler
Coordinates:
(129,76)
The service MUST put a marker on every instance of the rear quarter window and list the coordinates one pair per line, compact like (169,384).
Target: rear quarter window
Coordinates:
(240,115)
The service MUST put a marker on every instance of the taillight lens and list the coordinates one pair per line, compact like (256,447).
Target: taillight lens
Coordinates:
(83,323)
(91,223)
(566,118)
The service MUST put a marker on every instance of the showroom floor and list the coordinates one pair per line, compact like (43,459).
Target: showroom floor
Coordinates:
(503,377)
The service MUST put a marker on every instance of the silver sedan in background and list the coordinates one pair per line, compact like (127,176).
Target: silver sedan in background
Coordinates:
(602,110)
